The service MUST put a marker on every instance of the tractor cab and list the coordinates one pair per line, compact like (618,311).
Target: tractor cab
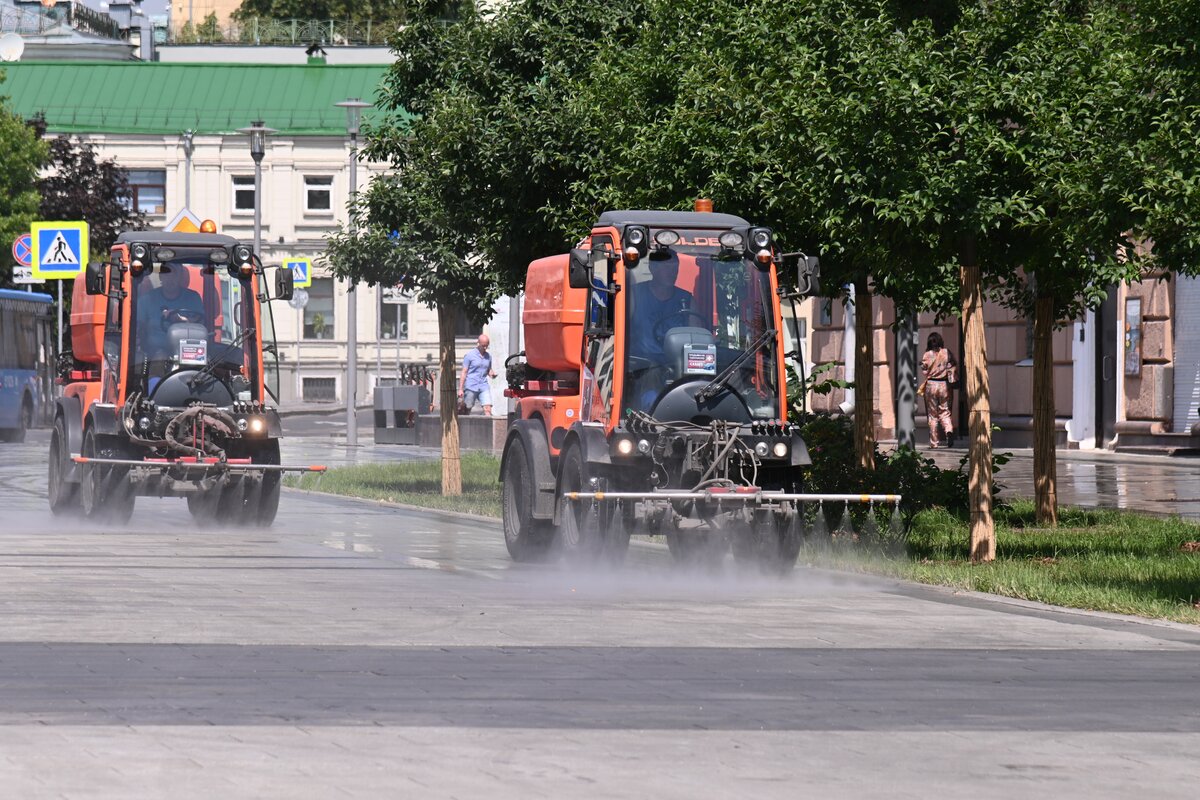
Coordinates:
(700,328)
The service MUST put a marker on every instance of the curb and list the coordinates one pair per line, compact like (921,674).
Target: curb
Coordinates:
(400,506)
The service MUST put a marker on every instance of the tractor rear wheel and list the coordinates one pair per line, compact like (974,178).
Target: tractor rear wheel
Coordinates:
(582,526)
(526,538)
(62,494)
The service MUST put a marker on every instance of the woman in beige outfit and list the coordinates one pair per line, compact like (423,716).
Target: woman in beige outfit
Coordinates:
(940,369)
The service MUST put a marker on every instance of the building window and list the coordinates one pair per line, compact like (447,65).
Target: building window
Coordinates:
(465,327)
(393,316)
(319,390)
(318,194)
(147,191)
(318,314)
(243,194)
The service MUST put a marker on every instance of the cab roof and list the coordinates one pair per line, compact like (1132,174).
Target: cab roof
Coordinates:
(670,219)
(172,239)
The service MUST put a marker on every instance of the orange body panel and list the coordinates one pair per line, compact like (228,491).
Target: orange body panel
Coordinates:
(87,324)
(553,316)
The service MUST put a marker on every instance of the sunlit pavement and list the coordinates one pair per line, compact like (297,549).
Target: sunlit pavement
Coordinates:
(364,651)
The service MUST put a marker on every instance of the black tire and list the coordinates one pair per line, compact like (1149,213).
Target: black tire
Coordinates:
(264,496)
(526,538)
(106,494)
(247,501)
(24,422)
(62,495)
(581,527)
(697,547)
(769,542)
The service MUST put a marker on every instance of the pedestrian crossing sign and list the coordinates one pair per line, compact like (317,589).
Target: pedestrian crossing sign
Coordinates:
(301,271)
(60,249)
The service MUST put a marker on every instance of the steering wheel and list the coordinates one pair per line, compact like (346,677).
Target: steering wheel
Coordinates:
(661,327)
(176,316)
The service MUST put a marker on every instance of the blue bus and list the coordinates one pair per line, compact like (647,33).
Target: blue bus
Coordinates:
(26,362)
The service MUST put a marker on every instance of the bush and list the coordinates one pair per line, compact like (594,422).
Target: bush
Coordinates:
(905,472)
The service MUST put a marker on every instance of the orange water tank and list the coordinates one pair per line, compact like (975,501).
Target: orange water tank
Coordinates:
(553,316)
(87,324)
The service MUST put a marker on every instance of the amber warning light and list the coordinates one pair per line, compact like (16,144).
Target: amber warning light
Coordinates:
(704,204)
(208,226)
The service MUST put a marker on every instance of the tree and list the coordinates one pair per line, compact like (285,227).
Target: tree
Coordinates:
(23,155)
(464,212)
(79,186)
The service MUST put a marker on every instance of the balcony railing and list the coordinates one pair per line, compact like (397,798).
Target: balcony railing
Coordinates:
(30,22)
(259,31)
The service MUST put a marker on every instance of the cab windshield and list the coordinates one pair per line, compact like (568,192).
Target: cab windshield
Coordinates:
(688,317)
(191,316)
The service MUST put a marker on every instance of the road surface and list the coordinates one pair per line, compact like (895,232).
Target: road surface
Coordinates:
(354,650)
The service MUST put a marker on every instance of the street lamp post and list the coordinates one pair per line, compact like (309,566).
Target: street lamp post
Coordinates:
(189,147)
(354,108)
(258,134)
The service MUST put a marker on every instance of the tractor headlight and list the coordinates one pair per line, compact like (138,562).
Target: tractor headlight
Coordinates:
(666,238)
(635,235)
(643,446)
(257,425)
(780,449)
(761,449)
(144,424)
(731,239)
(760,238)
(242,425)
(624,446)
(139,251)
(243,261)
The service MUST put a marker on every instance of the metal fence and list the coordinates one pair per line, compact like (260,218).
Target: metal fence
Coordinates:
(259,30)
(34,22)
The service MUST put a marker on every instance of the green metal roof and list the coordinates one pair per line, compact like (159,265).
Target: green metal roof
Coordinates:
(157,98)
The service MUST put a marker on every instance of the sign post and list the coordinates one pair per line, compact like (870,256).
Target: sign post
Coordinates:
(59,252)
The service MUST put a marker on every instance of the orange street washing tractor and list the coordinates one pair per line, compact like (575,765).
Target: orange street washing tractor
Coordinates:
(652,396)
(165,390)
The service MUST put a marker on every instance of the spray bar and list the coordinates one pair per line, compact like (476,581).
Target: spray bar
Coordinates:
(200,465)
(736,495)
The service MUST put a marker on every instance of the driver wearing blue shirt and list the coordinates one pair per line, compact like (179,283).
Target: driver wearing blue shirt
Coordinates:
(172,302)
(655,301)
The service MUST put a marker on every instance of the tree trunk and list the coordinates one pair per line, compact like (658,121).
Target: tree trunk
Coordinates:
(864,376)
(1045,480)
(974,365)
(448,365)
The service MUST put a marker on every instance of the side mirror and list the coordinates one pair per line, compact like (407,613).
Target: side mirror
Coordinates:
(808,277)
(96,278)
(284,287)
(579,275)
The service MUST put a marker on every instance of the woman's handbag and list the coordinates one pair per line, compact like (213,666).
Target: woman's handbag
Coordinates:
(921,388)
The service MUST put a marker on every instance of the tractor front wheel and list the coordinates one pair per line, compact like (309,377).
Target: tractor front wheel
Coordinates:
(526,538)
(105,491)
(581,524)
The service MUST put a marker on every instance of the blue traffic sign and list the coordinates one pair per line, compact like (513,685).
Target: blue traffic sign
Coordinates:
(60,249)
(23,250)
(301,271)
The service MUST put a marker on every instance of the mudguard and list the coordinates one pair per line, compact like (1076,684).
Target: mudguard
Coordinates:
(68,408)
(532,434)
(274,425)
(104,420)
(594,442)
(799,450)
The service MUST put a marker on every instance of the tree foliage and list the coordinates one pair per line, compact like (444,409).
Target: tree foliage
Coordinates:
(23,155)
(79,186)
(381,11)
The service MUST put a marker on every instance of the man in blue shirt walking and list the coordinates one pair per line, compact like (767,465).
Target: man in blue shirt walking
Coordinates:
(473,383)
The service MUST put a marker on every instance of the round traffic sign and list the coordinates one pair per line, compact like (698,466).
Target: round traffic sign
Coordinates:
(299,299)
(22,250)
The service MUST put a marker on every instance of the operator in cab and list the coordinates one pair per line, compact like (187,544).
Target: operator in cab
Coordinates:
(657,302)
(171,303)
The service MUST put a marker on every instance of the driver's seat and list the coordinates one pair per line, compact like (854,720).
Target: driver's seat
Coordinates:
(673,344)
